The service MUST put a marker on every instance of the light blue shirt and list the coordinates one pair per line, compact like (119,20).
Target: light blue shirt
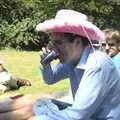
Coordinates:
(95,84)
(116,60)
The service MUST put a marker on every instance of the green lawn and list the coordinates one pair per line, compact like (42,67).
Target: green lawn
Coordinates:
(26,64)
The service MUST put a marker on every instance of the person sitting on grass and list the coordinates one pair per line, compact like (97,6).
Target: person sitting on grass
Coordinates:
(9,82)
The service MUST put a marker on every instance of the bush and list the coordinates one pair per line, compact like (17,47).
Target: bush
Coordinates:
(18,18)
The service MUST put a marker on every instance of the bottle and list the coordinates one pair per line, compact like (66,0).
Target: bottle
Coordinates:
(48,58)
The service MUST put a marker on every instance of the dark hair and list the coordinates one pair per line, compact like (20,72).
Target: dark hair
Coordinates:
(71,37)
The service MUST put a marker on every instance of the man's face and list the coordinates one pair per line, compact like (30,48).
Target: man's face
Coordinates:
(111,47)
(68,51)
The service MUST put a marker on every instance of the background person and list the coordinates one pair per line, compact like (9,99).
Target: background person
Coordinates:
(8,81)
(112,45)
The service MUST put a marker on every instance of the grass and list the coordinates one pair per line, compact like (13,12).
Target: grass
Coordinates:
(26,64)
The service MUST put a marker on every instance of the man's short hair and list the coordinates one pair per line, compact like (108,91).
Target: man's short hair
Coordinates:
(112,34)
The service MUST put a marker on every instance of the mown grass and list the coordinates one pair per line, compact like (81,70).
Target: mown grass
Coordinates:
(26,64)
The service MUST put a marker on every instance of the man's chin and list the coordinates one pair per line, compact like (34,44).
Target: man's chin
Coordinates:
(61,61)
(111,54)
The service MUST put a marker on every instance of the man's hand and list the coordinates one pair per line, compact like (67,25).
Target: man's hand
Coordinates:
(44,52)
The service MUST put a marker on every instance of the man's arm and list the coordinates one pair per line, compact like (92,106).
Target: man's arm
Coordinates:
(54,72)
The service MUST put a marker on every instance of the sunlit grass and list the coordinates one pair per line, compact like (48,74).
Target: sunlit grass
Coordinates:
(26,64)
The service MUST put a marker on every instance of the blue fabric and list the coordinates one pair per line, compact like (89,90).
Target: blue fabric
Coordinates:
(95,84)
(116,60)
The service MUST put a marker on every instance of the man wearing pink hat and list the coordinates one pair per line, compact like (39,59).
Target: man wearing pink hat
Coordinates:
(93,77)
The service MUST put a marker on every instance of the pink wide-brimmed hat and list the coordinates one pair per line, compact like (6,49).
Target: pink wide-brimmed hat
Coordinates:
(67,14)
(70,21)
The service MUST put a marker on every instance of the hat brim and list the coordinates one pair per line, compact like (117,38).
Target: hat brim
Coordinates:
(81,27)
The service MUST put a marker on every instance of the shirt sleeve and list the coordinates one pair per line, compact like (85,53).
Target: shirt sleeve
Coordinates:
(54,72)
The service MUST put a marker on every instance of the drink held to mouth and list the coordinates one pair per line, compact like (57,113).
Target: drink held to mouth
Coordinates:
(49,57)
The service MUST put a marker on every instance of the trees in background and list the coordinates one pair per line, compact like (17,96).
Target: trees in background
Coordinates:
(18,18)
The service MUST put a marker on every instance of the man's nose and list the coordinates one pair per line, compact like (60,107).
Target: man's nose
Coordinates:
(50,46)
(107,47)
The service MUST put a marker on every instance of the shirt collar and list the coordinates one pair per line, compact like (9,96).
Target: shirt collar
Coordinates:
(83,60)
(116,56)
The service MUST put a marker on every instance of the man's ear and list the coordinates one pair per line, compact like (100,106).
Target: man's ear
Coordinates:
(78,41)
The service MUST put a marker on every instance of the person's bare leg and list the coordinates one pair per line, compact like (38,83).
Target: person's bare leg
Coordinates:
(25,113)
(16,107)
(6,105)
(32,118)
